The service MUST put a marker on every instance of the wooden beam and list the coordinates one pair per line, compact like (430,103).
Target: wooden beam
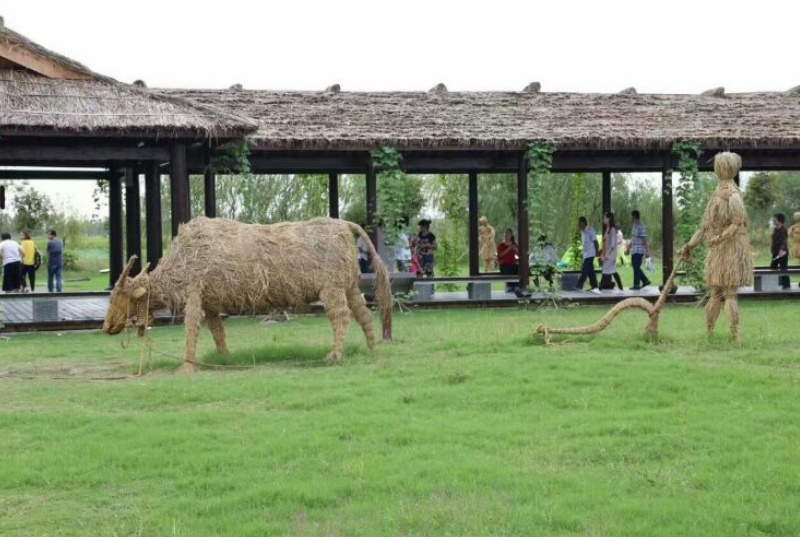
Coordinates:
(210,192)
(372,204)
(523,219)
(54,174)
(115,244)
(474,246)
(152,193)
(667,221)
(606,192)
(37,63)
(133,219)
(179,186)
(333,195)
(88,153)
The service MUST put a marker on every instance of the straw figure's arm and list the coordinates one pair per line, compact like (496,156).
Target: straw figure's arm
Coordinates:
(694,242)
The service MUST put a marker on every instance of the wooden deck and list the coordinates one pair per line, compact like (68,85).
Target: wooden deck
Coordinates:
(72,311)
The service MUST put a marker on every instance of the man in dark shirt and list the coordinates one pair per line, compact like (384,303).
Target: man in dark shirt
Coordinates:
(426,245)
(55,261)
(780,248)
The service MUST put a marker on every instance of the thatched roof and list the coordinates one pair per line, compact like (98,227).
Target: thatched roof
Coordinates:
(33,103)
(442,119)
(44,92)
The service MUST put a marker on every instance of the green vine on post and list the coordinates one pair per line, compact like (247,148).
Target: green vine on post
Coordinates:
(540,162)
(691,205)
(578,209)
(393,202)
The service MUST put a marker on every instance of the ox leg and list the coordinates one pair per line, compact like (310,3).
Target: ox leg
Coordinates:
(192,314)
(335,302)
(362,314)
(217,331)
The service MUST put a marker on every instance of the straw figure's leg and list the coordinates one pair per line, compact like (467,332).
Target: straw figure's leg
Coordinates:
(192,314)
(335,302)
(214,321)
(732,311)
(713,308)
(357,304)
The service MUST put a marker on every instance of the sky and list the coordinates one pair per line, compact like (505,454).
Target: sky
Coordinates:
(585,46)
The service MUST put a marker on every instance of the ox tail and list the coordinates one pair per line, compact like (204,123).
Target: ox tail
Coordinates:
(383,289)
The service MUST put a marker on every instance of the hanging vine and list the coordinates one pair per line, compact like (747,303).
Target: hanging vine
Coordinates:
(540,162)
(234,160)
(393,196)
(690,203)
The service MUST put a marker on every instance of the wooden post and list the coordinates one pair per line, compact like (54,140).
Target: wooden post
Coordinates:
(133,219)
(210,191)
(667,222)
(116,261)
(179,186)
(606,192)
(523,221)
(474,246)
(372,204)
(152,193)
(333,195)
(736,180)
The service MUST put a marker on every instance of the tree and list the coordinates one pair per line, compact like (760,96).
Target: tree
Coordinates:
(32,208)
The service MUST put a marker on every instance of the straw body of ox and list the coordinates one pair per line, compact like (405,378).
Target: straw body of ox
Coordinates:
(221,266)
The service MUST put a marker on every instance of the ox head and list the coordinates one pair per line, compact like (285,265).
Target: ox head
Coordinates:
(128,298)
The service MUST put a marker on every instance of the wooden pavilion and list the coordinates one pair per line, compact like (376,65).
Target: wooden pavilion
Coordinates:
(56,112)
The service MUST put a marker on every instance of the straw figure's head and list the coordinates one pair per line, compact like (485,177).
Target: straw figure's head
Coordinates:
(129,296)
(483,221)
(796,218)
(727,165)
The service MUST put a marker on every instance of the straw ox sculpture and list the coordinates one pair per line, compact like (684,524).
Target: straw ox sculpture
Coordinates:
(221,266)
(729,263)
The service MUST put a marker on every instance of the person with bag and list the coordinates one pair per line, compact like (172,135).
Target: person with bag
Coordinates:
(31,261)
(11,254)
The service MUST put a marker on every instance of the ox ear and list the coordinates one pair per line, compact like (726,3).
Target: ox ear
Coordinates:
(126,271)
(139,292)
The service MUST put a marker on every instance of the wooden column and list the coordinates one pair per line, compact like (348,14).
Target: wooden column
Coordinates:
(474,246)
(133,219)
(179,186)
(736,180)
(210,191)
(606,192)
(115,253)
(333,195)
(523,221)
(372,204)
(667,222)
(152,201)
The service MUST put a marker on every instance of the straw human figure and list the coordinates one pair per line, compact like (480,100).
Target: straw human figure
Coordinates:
(486,236)
(794,237)
(729,264)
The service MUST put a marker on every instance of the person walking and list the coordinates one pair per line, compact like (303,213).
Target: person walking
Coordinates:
(780,248)
(11,254)
(29,254)
(639,250)
(590,249)
(426,245)
(609,255)
(55,261)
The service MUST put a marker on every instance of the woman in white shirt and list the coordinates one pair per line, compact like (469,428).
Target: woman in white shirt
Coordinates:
(11,253)
(609,255)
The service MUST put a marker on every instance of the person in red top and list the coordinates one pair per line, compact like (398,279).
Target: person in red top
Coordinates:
(507,257)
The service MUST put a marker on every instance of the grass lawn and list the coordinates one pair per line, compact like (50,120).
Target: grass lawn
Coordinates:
(461,427)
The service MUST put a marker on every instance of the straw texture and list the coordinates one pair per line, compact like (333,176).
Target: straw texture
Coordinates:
(222,266)
(509,120)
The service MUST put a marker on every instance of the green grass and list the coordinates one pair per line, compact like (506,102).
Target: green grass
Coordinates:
(463,426)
